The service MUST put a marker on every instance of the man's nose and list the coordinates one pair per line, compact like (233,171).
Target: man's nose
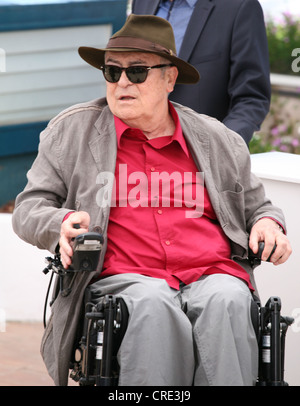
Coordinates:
(124,81)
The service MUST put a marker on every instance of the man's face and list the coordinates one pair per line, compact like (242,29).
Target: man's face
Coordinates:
(136,104)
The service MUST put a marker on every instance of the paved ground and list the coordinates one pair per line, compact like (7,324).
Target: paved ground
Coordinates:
(20,359)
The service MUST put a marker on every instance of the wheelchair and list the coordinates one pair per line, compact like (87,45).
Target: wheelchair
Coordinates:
(103,325)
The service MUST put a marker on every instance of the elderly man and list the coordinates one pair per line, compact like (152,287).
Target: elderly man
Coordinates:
(172,193)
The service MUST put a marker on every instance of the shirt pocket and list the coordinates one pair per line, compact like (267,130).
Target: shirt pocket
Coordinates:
(233,203)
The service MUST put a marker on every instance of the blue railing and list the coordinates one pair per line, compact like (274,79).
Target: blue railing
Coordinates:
(30,15)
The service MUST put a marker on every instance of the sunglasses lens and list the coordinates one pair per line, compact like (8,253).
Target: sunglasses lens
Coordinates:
(112,73)
(137,74)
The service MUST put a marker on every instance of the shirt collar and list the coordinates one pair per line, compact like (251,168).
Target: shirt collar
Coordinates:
(121,128)
(191,3)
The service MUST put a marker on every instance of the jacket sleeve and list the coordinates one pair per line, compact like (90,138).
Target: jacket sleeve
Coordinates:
(249,86)
(257,204)
(38,213)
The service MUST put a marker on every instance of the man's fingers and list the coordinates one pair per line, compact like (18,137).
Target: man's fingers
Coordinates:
(77,223)
(269,250)
(267,230)
(282,252)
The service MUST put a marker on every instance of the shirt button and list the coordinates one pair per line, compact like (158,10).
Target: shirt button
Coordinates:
(168,242)
(159,211)
(152,169)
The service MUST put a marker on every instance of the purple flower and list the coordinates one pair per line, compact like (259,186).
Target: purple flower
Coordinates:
(276,142)
(282,128)
(275,131)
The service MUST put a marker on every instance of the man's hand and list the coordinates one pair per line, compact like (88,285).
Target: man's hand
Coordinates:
(67,232)
(267,230)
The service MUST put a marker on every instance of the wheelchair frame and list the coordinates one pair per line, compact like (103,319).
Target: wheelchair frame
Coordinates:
(95,361)
(104,324)
(271,340)
(95,358)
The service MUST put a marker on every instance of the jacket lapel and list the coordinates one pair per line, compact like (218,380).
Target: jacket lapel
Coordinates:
(150,7)
(202,11)
(104,141)
(103,148)
(198,141)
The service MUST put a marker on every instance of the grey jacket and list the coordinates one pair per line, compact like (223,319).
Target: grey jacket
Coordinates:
(78,145)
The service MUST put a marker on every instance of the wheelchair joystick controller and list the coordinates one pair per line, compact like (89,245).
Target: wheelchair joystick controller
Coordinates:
(86,251)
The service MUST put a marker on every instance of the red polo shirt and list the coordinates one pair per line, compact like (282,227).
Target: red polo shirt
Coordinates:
(162,223)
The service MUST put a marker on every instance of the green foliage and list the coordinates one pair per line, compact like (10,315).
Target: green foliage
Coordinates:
(281,129)
(283,37)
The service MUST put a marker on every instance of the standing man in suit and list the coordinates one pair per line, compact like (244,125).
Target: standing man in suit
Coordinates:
(226,41)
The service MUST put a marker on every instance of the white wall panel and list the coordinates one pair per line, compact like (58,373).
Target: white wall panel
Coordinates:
(44,73)
(280,174)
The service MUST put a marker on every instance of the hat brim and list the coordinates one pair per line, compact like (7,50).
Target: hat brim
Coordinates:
(187,74)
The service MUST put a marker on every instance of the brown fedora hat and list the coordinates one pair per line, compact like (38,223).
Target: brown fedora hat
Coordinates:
(144,33)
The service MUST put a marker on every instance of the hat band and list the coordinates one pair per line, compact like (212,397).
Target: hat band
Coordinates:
(138,43)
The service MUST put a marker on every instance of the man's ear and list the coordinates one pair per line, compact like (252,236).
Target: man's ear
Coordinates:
(172,73)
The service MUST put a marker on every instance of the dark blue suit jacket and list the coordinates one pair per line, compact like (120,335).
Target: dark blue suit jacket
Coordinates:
(226,41)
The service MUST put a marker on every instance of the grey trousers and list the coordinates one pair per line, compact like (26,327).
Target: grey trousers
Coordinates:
(200,335)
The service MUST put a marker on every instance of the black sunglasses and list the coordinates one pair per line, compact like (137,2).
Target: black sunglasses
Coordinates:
(136,74)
